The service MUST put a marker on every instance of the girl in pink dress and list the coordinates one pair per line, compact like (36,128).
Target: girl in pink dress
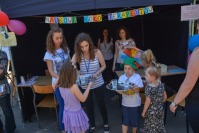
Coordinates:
(74,118)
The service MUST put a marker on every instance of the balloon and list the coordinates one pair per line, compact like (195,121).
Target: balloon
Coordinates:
(16,26)
(3,19)
(193,42)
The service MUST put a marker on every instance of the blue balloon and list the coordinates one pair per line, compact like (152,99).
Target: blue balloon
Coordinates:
(193,42)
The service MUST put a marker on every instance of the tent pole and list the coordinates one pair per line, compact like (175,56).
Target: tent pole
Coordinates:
(191,31)
(191,23)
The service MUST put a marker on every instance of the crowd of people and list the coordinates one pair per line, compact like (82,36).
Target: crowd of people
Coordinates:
(100,63)
(97,66)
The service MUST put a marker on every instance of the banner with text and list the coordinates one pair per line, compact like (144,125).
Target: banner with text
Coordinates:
(61,20)
(130,13)
(98,17)
(93,18)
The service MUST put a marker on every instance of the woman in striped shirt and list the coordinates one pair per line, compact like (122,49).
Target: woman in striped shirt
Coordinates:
(91,63)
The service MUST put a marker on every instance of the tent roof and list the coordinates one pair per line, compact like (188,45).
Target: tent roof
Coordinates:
(22,8)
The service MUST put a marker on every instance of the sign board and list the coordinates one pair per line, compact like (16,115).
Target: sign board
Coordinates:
(190,12)
(8,40)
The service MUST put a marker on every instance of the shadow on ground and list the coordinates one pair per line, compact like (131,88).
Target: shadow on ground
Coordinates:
(49,123)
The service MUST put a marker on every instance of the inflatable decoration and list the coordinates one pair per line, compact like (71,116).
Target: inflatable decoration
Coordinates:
(4,20)
(193,42)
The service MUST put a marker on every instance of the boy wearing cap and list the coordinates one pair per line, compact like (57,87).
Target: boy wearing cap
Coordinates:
(131,102)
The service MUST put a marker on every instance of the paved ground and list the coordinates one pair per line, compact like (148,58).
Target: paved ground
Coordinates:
(49,123)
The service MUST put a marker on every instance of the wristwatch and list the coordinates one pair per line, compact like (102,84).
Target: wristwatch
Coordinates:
(174,104)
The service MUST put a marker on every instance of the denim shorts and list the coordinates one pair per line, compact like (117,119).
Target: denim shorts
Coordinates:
(130,116)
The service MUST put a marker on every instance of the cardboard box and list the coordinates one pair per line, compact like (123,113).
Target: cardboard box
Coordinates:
(163,68)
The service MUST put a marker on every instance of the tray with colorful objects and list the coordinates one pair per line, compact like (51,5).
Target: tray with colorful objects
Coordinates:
(120,86)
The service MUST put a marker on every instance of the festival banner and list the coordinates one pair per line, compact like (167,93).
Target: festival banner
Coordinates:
(130,13)
(93,18)
(61,20)
(98,17)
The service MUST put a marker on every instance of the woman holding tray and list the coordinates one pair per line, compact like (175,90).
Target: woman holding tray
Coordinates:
(91,62)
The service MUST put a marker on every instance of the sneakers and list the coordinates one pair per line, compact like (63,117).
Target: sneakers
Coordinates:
(92,129)
(106,129)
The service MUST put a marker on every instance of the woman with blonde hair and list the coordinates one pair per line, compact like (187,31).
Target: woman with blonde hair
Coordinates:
(148,59)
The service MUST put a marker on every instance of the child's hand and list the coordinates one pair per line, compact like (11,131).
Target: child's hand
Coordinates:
(54,86)
(136,89)
(95,76)
(119,92)
(113,68)
(90,84)
(143,114)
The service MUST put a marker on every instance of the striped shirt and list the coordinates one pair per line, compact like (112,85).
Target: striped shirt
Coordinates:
(91,67)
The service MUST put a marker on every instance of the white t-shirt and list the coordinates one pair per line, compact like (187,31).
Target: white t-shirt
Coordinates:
(131,100)
(106,50)
(58,60)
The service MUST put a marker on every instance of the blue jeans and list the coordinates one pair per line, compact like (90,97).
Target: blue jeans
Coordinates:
(8,113)
(61,108)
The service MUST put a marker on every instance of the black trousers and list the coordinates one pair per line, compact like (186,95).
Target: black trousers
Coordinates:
(99,95)
(192,110)
(108,74)
(8,113)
